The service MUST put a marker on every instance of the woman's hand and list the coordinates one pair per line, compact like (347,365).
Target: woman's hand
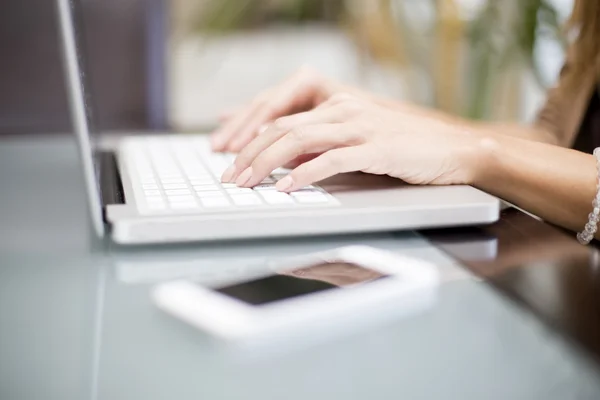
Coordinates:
(303,91)
(346,134)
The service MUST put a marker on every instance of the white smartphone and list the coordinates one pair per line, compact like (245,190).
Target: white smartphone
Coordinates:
(318,291)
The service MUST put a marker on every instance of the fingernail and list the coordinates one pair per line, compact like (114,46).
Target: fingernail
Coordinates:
(235,147)
(216,142)
(285,184)
(227,176)
(244,177)
(263,128)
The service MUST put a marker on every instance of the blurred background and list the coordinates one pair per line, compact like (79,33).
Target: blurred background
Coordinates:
(175,64)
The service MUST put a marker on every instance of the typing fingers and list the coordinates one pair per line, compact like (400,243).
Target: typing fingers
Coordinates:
(300,160)
(302,140)
(330,163)
(221,139)
(294,95)
(293,125)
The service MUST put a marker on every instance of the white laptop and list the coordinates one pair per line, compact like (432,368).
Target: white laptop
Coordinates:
(166,188)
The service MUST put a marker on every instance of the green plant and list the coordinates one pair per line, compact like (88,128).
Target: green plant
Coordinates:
(504,34)
(222,16)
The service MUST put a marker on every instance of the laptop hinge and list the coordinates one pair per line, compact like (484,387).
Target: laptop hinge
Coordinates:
(109,180)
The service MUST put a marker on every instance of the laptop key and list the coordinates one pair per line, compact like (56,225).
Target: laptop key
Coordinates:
(203,195)
(206,188)
(239,191)
(198,177)
(177,192)
(215,202)
(264,187)
(184,206)
(276,197)
(203,181)
(246,200)
(306,192)
(171,186)
(312,198)
(172,180)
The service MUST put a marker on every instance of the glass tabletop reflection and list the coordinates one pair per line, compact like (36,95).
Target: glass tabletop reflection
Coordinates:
(77,320)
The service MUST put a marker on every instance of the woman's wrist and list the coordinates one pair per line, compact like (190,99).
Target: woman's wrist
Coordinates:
(478,157)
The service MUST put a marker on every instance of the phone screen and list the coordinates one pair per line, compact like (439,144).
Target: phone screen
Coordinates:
(300,282)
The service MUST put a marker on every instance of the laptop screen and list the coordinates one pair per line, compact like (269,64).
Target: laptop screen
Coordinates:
(70,23)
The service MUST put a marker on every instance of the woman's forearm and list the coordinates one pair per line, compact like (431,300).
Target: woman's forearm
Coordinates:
(506,129)
(526,166)
(518,131)
(554,183)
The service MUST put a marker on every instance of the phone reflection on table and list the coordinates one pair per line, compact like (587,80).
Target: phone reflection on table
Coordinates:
(287,284)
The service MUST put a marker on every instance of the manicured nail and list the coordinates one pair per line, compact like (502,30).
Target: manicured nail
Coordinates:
(244,177)
(285,184)
(227,176)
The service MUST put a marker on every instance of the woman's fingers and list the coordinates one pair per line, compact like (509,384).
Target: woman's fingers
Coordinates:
(279,129)
(330,163)
(308,139)
(222,137)
(294,95)
(251,128)
(318,115)
(300,160)
(337,99)
(277,105)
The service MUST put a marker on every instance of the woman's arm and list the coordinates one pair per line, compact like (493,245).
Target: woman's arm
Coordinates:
(537,132)
(527,166)
(347,134)
(554,183)
(307,89)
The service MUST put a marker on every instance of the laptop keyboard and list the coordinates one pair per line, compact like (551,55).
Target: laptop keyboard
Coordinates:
(182,174)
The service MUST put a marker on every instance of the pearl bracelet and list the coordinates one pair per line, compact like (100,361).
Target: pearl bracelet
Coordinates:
(586,236)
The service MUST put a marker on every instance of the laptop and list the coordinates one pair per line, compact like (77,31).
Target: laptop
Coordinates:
(166,188)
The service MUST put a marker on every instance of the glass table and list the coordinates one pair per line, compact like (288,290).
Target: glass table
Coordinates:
(77,320)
